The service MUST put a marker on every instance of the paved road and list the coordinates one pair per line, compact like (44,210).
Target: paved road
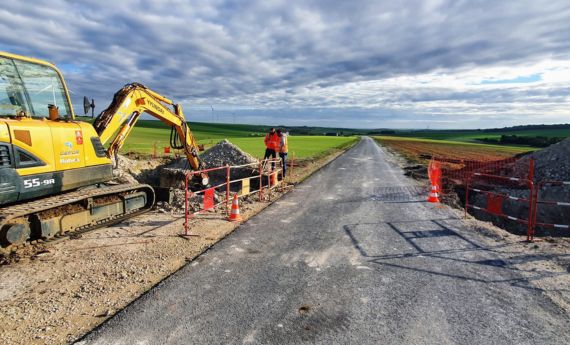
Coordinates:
(352,256)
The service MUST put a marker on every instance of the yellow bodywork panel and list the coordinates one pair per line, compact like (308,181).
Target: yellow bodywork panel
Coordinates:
(40,138)
(4,133)
(90,155)
(67,139)
(61,145)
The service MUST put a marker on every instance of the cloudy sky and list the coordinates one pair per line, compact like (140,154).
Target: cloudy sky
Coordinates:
(396,64)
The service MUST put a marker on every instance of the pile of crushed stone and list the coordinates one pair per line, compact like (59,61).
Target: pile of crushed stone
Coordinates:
(221,154)
(226,153)
(551,163)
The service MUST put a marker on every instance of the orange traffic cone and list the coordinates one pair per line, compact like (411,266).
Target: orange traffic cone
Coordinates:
(234,214)
(273,179)
(433,194)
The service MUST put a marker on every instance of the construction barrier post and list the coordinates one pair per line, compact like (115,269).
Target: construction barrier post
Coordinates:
(282,177)
(227,189)
(269,187)
(260,181)
(186,206)
(531,169)
(531,206)
(466,196)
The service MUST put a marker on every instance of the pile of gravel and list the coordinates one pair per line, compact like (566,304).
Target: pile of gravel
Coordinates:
(221,154)
(551,163)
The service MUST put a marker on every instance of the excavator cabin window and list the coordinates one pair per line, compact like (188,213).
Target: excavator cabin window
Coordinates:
(28,89)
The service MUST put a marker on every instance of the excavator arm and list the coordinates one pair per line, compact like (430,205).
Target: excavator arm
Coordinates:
(115,123)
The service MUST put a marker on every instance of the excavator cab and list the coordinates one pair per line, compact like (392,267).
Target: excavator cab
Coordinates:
(43,150)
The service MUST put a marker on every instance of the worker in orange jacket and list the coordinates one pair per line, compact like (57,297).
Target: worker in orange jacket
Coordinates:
(283,149)
(271,145)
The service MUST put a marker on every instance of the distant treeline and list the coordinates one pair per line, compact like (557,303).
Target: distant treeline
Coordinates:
(537,141)
(381,132)
(528,127)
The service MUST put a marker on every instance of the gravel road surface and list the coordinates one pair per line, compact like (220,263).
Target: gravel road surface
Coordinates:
(352,256)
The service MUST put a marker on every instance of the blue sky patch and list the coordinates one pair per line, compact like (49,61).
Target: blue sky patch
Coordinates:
(523,79)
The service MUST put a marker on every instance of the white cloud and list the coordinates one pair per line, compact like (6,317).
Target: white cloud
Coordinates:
(414,60)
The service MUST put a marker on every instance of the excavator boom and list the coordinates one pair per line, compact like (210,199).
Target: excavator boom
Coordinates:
(115,123)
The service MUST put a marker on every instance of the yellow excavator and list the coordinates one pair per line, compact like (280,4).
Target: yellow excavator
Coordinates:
(54,169)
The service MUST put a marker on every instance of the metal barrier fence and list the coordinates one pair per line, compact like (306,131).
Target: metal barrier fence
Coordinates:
(509,173)
(267,174)
(494,200)
(553,203)
(458,171)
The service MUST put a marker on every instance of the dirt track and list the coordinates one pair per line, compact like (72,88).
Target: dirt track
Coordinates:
(54,294)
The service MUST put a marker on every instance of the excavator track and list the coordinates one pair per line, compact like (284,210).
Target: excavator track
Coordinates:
(71,213)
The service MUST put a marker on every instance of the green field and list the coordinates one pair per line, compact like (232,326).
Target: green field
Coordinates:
(299,146)
(149,134)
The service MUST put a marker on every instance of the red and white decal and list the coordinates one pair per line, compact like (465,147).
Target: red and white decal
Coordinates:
(79,137)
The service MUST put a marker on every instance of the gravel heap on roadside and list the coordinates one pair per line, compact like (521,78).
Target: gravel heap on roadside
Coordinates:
(223,153)
(551,163)
(226,153)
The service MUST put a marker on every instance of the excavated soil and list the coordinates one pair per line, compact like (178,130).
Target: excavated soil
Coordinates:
(551,163)
(55,293)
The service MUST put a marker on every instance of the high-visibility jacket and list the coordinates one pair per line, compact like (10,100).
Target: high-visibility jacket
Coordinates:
(272,141)
(283,148)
